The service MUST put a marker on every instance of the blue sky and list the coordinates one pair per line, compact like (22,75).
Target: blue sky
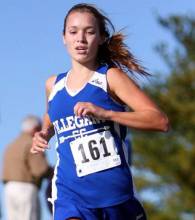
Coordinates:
(31,49)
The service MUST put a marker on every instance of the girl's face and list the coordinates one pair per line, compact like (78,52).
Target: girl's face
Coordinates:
(82,37)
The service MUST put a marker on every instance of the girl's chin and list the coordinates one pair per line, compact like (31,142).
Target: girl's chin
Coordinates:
(82,59)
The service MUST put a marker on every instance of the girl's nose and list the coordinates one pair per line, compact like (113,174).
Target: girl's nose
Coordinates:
(81,37)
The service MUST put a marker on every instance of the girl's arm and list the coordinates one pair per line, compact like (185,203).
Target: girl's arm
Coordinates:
(41,138)
(145,115)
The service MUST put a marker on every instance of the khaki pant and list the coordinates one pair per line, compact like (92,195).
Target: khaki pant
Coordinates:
(22,202)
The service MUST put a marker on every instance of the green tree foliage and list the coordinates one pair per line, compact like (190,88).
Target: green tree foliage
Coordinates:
(165,162)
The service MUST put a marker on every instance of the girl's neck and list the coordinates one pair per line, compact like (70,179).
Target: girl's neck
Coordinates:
(78,68)
(78,76)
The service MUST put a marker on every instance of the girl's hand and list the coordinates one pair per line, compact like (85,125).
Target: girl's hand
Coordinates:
(40,142)
(82,109)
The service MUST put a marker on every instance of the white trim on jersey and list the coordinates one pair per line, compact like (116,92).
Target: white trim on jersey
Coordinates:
(54,188)
(56,88)
(71,92)
(99,80)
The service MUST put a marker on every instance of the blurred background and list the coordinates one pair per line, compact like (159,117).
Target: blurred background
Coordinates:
(161,34)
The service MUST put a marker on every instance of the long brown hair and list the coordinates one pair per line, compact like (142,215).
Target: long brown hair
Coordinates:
(113,51)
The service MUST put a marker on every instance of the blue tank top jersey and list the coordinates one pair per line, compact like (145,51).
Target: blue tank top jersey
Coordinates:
(91,168)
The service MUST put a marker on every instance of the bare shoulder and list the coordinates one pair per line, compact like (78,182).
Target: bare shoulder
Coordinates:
(49,84)
(124,88)
(118,79)
(50,81)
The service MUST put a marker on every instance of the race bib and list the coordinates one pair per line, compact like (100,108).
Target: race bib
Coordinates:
(94,153)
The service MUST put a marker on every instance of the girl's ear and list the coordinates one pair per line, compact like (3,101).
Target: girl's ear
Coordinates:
(102,40)
(64,40)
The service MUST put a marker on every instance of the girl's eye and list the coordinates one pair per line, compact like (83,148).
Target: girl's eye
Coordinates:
(72,32)
(91,32)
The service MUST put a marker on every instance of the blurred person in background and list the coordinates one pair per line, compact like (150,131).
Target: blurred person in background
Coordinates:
(23,173)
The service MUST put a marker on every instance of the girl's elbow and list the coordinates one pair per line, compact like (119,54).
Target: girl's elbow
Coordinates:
(164,124)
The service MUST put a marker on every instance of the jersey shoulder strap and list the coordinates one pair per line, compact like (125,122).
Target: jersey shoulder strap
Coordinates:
(58,85)
(103,68)
(60,76)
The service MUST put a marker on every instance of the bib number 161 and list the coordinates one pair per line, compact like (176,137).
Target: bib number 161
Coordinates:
(94,150)
(94,153)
